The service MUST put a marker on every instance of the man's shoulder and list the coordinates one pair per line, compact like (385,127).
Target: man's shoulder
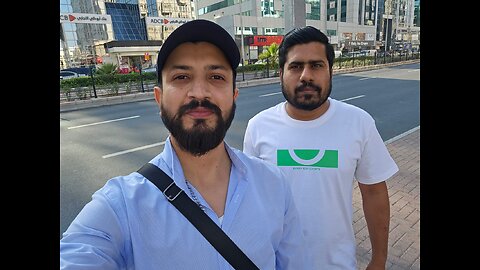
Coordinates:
(133,180)
(349,109)
(269,112)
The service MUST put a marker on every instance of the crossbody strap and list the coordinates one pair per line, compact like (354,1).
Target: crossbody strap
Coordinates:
(204,224)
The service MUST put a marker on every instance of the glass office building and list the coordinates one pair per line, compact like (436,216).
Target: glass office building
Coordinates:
(85,43)
(126,21)
(345,22)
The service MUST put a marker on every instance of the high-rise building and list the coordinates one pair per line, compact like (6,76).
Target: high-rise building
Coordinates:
(351,25)
(142,25)
(123,32)
(400,25)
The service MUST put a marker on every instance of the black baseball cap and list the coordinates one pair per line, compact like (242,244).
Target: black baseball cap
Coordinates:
(199,30)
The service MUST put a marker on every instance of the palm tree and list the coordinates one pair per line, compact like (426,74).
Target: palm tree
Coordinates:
(108,68)
(271,55)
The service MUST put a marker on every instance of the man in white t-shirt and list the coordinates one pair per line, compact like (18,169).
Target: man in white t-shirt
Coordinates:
(323,145)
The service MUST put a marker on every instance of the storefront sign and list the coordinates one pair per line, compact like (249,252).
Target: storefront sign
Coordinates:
(263,40)
(85,18)
(166,21)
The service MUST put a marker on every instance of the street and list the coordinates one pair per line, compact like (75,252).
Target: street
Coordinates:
(99,143)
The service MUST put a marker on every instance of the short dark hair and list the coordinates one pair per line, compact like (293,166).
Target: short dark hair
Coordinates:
(304,35)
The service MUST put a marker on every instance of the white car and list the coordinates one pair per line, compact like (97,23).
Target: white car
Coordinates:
(150,69)
(66,74)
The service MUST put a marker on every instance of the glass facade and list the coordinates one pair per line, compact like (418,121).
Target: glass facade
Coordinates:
(152,8)
(126,21)
(77,47)
(332,10)
(80,41)
(268,9)
(217,6)
(381,11)
(416,16)
(314,10)
(370,7)
(343,11)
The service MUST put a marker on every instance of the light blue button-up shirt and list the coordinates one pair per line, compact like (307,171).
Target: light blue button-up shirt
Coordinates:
(129,224)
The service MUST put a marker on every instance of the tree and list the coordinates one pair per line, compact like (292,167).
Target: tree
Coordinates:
(271,55)
(107,68)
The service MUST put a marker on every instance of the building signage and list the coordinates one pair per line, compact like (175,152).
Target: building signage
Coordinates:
(166,21)
(85,18)
(359,43)
(263,40)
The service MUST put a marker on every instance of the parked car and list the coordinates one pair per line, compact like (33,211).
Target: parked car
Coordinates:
(261,62)
(355,54)
(74,72)
(70,74)
(79,70)
(150,69)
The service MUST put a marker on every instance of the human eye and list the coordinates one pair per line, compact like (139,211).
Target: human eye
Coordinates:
(294,67)
(218,77)
(180,77)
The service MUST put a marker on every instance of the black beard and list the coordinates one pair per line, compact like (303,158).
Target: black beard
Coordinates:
(200,138)
(308,104)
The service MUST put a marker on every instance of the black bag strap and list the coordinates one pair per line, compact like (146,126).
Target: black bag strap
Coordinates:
(204,224)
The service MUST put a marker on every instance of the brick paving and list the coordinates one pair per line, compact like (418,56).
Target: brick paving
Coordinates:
(404,192)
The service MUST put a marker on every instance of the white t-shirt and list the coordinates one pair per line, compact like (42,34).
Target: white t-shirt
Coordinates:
(321,158)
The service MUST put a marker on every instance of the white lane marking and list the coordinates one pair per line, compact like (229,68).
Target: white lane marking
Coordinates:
(133,150)
(104,122)
(271,94)
(366,78)
(352,98)
(413,70)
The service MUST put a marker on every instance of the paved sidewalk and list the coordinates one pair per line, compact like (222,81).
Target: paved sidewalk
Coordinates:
(404,192)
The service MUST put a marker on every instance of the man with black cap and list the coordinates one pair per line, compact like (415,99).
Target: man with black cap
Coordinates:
(130,224)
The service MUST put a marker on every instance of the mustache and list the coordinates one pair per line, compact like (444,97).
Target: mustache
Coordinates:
(195,103)
(307,84)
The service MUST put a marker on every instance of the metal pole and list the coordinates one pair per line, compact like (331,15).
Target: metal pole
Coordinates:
(241,34)
(241,42)
(386,35)
(93,82)
(339,15)
(326,15)
(397,14)
(141,77)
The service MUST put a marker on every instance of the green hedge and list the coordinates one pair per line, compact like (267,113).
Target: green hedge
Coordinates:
(106,79)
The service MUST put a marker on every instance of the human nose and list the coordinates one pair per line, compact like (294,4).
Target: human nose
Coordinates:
(199,90)
(307,75)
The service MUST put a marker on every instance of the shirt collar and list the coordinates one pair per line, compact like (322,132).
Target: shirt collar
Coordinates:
(171,161)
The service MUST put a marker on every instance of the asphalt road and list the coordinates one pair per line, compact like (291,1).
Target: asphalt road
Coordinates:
(99,143)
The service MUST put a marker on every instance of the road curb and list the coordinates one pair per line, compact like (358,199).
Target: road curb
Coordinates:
(142,96)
